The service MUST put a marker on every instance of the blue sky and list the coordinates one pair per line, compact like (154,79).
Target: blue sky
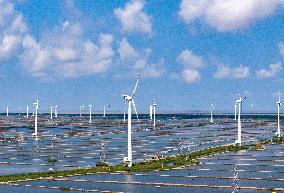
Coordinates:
(189,53)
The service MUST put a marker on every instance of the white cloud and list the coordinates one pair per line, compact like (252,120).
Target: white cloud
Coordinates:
(138,62)
(281,48)
(190,75)
(191,64)
(65,52)
(227,15)
(273,70)
(125,50)
(224,71)
(12,29)
(240,72)
(190,60)
(133,19)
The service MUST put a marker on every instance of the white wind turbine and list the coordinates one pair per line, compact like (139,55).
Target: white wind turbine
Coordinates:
(211,118)
(90,106)
(239,103)
(278,125)
(104,111)
(151,112)
(36,109)
(27,112)
(235,105)
(154,113)
(81,107)
(51,111)
(55,111)
(104,115)
(124,112)
(130,100)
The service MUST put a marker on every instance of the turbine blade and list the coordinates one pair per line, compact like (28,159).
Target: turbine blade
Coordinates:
(135,86)
(135,109)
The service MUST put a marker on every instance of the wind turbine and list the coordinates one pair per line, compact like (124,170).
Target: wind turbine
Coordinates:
(151,112)
(130,100)
(27,112)
(154,113)
(239,103)
(105,110)
(7,113)
(211,119)
(278,105)
(55,111)
(81,107)
(51,111)
(90,106)
(36,109)
(124,112)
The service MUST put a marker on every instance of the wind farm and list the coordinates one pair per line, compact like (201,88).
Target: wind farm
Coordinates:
(141,96)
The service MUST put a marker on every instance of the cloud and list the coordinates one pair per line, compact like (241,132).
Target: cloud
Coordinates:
(190,75)
(188,59)
(227,15)
(273,70)
(133,19)
(191,64)
(281,48)
(125,50)
(65,52)
(138,62)
(224,71)
(12,30)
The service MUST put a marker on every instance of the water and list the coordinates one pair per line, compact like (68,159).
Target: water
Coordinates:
(74,143)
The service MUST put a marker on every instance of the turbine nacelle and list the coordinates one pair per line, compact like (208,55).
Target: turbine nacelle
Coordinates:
(127,97)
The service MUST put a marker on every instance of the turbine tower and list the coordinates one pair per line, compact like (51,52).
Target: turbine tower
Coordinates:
(55,111)
(235,105)
(278,125)
(51,111)
(154,113)
(36,109)
(239,103)
(151,112)
(7,111)
(90,106)
(27,112)
(124,112)
(130,100)
(104,111)
(211,119)
(81,107)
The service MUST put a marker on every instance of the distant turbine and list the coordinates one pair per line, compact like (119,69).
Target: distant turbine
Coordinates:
(36,109)
(51,111)
(27,112)
(124,113)
(90,106)
(154,113)
(239,102)
(55,111)
(211,119)
(81,107)
(235,111)
(278,105)
(7,113)
(151,112)
(104,111)
(130,100)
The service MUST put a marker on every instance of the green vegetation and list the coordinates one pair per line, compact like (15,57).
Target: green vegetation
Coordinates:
(52,159)
(64,188)
(162,163)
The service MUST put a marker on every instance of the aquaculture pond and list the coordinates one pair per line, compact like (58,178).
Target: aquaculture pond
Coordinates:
(70,142)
